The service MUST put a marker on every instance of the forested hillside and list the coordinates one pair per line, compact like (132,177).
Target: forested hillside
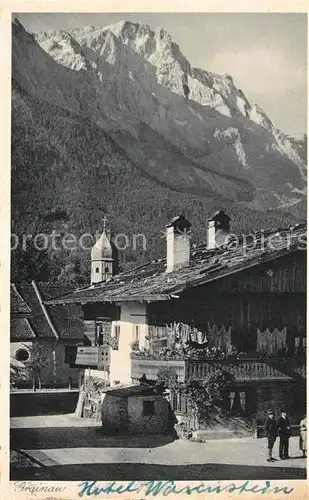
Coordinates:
(88,143)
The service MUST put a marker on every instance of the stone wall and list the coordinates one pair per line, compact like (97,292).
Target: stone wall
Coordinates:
(125,415)
(278,395)
(152,424)
(110,414)
(24,404)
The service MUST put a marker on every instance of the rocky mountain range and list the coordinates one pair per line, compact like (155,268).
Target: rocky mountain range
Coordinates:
(116,121)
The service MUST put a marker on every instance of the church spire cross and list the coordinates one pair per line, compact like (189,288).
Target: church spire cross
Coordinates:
(104,220)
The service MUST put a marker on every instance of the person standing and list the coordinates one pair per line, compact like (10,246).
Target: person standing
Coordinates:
(271,434)
(303,436)
(284,430)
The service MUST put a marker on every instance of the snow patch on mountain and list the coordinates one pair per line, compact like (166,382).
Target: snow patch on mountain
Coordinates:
(232,135)
(199,116)
(291,148)
(172,68)
(126,74)
(131,76)
(286,202)
(72,55)
(206,95)
(296,190)
(258,116)
(85,48)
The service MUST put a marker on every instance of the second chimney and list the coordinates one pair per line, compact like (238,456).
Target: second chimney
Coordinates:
(218,230)
(178,243)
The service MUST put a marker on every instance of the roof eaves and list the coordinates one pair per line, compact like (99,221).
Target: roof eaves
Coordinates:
(27,310)
(233,270)
(108,299)
(30,327)
(222,271)
(48,319)
(134,298)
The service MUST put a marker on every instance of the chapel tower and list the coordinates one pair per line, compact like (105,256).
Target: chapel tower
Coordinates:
(102,257)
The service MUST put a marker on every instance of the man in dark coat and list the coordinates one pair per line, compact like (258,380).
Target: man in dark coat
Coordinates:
(284,430)
(271,434)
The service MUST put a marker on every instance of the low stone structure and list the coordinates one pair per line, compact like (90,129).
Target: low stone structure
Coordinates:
(135,409)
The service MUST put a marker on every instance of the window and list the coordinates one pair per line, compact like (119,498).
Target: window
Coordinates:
(106,269)
(136,333)
(97,270)
(148,408)
(22,355)
(239,402)
(117,332)
(99,333)
(299,345)
(243,400)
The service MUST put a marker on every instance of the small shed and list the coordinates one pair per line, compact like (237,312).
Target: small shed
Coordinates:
(135,409)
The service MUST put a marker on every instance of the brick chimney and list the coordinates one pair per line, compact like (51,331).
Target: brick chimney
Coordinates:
(178,243)
(218,230)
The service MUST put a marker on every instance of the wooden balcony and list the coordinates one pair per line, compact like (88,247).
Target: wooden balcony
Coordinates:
(88,357)
(249,369)
(150,368)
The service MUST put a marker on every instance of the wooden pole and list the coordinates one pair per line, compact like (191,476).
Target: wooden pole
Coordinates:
(81,396)
(80,404)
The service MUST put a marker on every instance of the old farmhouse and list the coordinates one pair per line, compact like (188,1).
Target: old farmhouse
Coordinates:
(238,304)
(39,334)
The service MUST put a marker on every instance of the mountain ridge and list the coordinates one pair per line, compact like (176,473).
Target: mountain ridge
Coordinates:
(88,112)
(170,71)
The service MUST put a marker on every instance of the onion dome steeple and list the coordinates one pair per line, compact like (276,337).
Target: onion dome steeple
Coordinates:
(102,257)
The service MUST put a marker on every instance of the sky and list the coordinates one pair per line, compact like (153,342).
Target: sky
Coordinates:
(266,54)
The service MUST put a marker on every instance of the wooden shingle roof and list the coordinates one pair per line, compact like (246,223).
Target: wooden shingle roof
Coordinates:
(20,329)
(63,322)
(18,305)
(150,282)
(132,390)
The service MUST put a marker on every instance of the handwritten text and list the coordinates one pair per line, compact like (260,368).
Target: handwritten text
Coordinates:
(165,488)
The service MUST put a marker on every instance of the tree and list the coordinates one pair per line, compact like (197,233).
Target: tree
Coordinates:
(34,366)
(71,274)
(30,264)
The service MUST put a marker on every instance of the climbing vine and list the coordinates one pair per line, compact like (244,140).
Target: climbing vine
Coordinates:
(202,397)
(167,378)
(93,386)
(205,396)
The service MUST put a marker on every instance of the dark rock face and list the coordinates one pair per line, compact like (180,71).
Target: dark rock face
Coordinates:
(100,126)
